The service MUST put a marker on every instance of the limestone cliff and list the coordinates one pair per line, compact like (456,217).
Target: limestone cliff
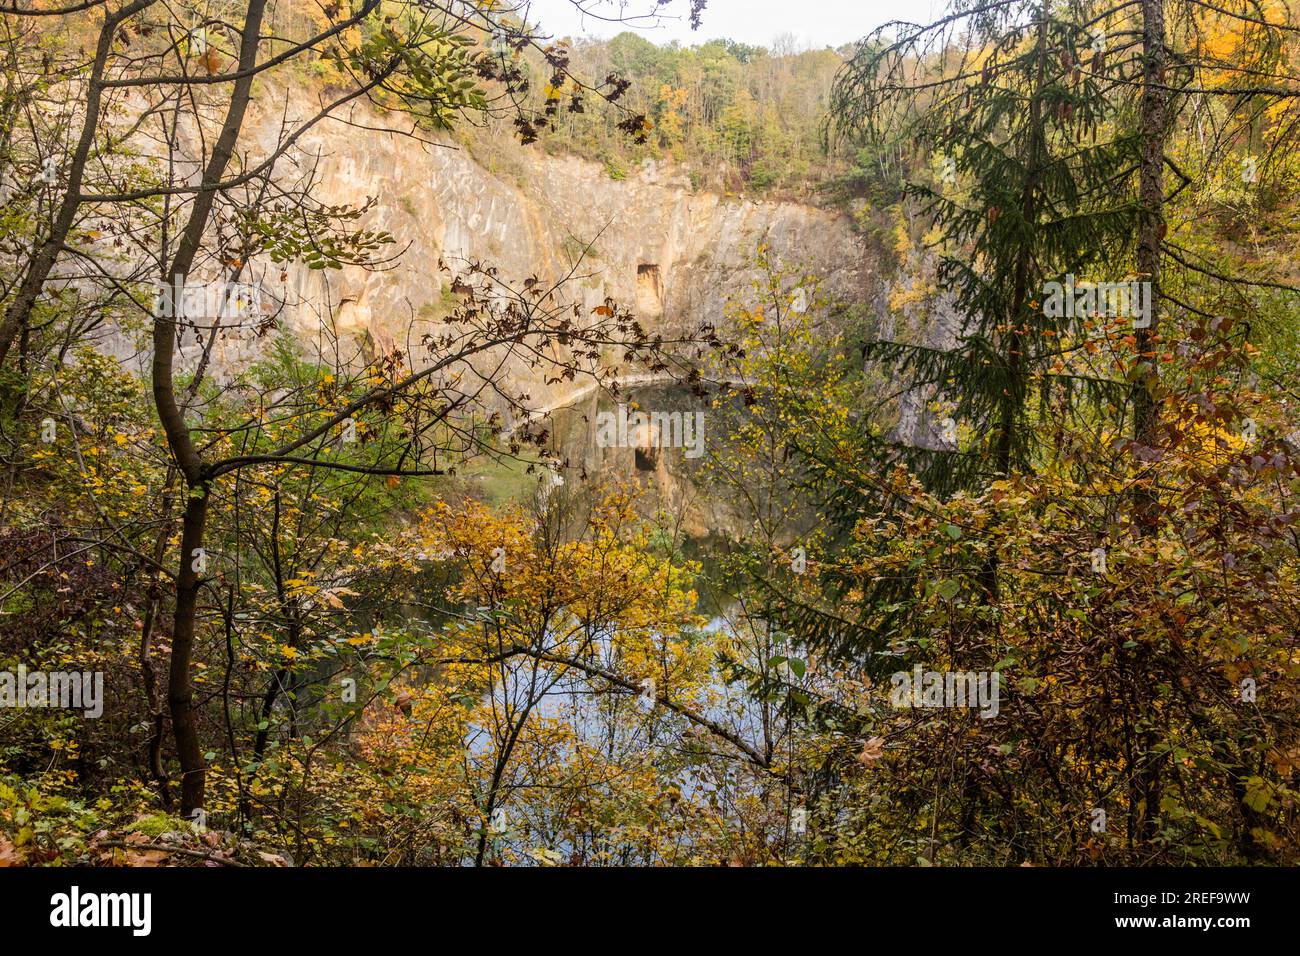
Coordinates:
(648,241)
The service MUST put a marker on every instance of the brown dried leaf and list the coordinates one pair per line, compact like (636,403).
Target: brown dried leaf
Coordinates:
(9,855)
(147,858)
(872,751)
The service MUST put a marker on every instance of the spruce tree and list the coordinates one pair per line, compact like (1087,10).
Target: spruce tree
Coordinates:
(1024,185)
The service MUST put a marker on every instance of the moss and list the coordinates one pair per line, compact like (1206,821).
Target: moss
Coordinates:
(156,824)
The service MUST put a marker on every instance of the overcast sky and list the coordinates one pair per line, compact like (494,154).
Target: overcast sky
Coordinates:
(813,22)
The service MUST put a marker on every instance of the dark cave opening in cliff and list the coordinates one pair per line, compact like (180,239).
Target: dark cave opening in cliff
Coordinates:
(649,289)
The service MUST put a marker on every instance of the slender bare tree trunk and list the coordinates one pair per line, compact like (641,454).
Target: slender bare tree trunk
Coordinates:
(1151,198)
(38,271)
(1145,788)
(180,689)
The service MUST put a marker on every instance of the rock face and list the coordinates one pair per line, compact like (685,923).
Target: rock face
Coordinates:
(676,256)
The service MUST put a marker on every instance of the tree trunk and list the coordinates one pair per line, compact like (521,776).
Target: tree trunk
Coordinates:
(43,261)
(1151,199)
(180,692)
(180,689)
(1154,119)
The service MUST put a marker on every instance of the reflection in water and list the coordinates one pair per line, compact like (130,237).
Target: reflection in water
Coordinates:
(657,437)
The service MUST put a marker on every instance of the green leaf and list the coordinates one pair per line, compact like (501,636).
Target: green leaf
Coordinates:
(1257,794)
